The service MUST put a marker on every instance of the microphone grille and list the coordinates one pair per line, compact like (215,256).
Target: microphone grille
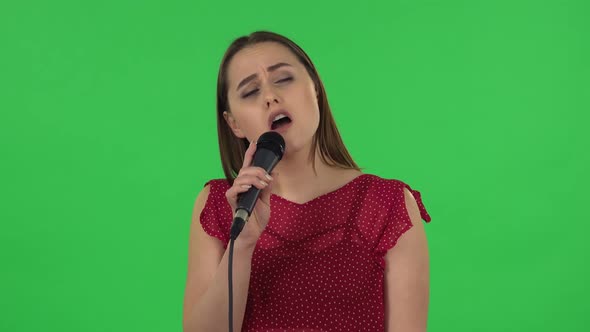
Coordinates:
(273,141)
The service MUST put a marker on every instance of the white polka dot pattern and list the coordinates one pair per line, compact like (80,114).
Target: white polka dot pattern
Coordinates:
(319,266)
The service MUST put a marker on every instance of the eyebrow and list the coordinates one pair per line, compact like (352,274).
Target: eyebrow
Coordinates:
(253,76)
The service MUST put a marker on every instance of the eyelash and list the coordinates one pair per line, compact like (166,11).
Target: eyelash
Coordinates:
(256,90)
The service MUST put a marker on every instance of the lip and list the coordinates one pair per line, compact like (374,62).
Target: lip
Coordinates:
(277,112)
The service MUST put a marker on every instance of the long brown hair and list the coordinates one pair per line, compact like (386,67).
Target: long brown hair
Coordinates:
(232,149)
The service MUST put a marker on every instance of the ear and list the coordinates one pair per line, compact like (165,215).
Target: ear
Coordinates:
(233,124)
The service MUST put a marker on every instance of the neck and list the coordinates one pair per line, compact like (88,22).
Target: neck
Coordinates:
(297,181)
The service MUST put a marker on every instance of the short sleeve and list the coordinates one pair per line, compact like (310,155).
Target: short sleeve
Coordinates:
(397,220)
(215,217)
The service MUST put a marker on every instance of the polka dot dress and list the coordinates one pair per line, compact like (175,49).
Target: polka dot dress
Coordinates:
(319,266)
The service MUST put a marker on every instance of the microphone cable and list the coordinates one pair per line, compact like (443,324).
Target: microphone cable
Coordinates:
(230,285)
(237,225)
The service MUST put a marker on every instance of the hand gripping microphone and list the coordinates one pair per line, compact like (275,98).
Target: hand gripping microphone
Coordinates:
(269,151)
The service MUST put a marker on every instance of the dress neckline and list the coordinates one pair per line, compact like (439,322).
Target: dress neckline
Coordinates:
(322,196)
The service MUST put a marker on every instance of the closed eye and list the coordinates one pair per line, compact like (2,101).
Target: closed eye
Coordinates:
(248,94)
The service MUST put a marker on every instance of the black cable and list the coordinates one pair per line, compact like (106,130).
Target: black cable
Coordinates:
(236,227)
(230,286)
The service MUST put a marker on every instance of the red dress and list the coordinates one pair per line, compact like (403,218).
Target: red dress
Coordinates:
(319,266)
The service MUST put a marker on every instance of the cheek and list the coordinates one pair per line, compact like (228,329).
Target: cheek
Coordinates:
(312,104)
(309,99)
(251,121)
(247,122)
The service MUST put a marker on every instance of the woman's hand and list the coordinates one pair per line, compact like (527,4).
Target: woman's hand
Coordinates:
(249,176)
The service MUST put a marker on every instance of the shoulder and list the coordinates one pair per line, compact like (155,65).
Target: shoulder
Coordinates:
(412,206)
(400,195)
(213,193)
(211,188)
(202,197)
(212,211)
(217,184)
(394,188)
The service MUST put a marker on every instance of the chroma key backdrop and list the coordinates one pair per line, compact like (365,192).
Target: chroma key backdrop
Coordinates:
(108,133)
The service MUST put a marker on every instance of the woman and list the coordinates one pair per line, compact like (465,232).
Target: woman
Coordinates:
(323,249)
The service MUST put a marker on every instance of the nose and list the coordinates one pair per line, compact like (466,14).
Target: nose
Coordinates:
(270,97)
(270,102)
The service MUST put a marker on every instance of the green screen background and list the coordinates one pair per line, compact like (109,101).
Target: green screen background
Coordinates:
(108,133)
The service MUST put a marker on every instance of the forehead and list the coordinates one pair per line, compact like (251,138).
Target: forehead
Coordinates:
(256,58)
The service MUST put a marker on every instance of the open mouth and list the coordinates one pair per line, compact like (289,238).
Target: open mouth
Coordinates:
(279,121)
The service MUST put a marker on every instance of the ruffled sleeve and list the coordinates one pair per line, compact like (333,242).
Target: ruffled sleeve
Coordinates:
(216,214)
(397,220)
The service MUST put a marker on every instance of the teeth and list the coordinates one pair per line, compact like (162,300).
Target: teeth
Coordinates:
(278,117)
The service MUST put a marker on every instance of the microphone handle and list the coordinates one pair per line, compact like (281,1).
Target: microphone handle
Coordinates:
(267,160)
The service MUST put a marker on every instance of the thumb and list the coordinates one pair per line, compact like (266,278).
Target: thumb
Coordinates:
(249,155)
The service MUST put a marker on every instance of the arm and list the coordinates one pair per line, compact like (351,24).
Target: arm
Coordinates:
(407,276)
(206,296)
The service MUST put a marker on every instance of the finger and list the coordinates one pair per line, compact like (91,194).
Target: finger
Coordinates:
(233,192)
(249,154)
(255,171)
(251,180)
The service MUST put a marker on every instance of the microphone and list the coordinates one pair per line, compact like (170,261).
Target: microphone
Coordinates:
(269,151)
